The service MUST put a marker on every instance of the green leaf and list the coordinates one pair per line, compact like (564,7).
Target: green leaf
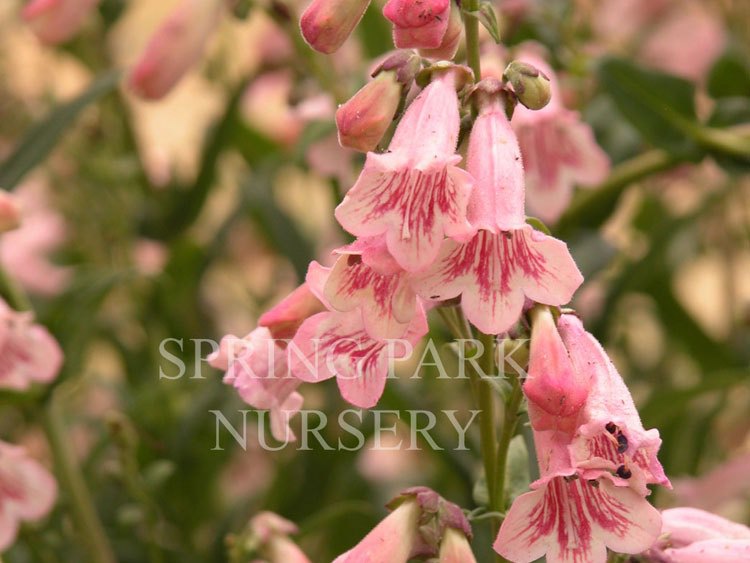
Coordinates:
(488,18)
(729,112)
(660,106)
(39,141)
(730,76)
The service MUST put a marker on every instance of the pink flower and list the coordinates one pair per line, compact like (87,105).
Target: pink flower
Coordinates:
(691,535)
(56,21)
(272,531)
(337,345)
(10,212)
(420,24)
(175,47)
(365,277)
(414,194)
(27,492)
(610,440)
(451,39)
(559,150)
(363,120)
(506,261)
(420,526)
(256,366)
(556,389)
(326,24)
(28,353)
(455,548)
(24,251)
(572,520)
(725,483)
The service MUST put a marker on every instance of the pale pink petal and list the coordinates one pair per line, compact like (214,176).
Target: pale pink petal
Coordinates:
(326,24)
(610,435)
(494,273)
(451,39)
(281,415)
(175,47)
(9,525)
(455,548)
(571,520)
(387,302)
(284,318)
(10,212)
(683,526)
(414,194)
(418,24)
(494,160)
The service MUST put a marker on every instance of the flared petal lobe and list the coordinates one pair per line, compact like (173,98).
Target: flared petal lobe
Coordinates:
(494,273)
(414,194)
(572,521)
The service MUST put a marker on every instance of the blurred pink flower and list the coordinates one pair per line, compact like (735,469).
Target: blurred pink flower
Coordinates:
(506,261)
(266,106)
(150,256)
(28,491)
(619,21)
(10,212)
(326,24)
(724,483)
(24,251)
(666,47)
(256,366)
(559,150)
(175,47)
(56,21)
(414,194)
(690,535)
(28,353)
(273,531)
(418,24)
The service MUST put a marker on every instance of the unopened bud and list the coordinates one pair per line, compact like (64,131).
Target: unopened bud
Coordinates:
(364,119)
(531,85)
(10,214)
(326,24)
(420,25)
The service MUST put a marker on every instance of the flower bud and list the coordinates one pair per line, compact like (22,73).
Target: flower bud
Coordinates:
(420,25)
(10,214)
(555,391)
(364,119)
(326,24)
(451,39)
(531,86)
(56,21)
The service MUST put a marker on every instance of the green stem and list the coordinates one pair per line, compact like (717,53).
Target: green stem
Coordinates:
(471,27)
(510,423)
(90,530)
(15,296)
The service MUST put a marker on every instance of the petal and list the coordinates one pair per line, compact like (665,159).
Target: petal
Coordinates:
(284,319)
(418,24)
(586,161)
(711,551)
(573,521)
(281,415)
(8,526)
(494,274)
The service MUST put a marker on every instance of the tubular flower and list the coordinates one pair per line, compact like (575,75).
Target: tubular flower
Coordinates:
(421,526)
(27,491)
(691,535)
(175,47)
(365,277)
(418,24)
(56,21)
(506,261)
(272,532)
(556,389)
(28,353)
(559,150)
(326,24)
(414,194)
(451,39)
(610,439)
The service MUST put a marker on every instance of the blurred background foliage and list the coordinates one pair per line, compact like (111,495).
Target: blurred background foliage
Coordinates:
(188,217)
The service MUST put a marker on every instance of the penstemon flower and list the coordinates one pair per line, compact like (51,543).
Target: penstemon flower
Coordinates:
(27,492)
(559,149)
(414,194)
(506,261)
